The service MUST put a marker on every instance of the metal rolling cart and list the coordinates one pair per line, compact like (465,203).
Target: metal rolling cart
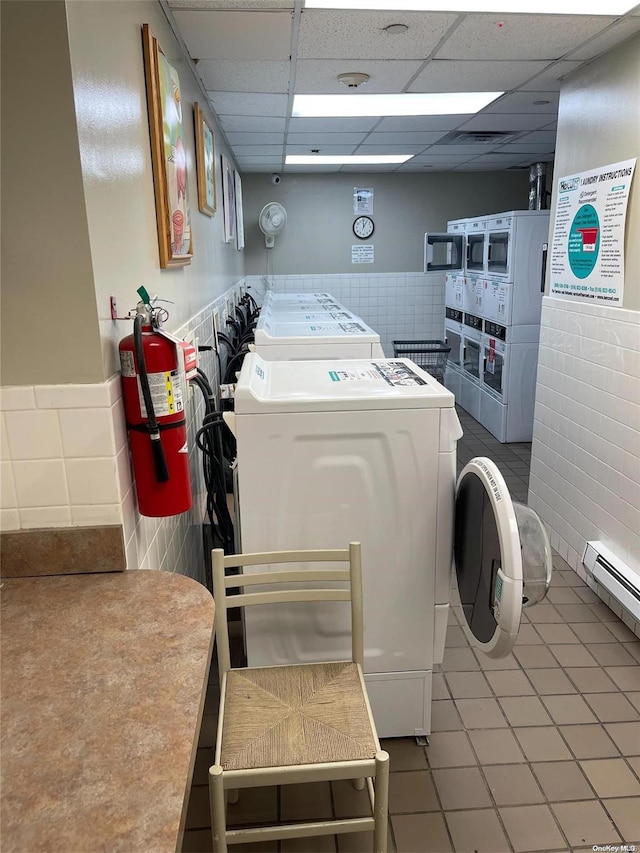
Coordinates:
(429,355)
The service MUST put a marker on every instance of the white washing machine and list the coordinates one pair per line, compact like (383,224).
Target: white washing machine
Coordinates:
(471,360)
(276,340)
(331,452)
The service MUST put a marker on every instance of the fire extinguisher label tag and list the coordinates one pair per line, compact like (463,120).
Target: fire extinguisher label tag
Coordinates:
(166,394)
(127,364)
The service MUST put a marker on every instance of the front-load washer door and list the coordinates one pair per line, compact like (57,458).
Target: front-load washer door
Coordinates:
(487,558)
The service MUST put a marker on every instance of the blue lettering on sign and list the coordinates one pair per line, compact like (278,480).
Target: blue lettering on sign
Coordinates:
(333,376)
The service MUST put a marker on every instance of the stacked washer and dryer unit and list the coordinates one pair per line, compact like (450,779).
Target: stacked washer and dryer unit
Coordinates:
(494,286)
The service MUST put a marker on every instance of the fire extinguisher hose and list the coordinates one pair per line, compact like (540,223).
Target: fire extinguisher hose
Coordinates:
(157,450)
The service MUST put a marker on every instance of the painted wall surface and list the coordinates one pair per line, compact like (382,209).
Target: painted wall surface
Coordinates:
(47,276)
(318,235)
(585,465)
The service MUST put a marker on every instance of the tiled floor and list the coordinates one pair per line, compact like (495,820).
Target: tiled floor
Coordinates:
(539,751)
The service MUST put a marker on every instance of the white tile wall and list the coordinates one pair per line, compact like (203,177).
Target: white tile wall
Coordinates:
(65,462)
(585,462)
(399,306)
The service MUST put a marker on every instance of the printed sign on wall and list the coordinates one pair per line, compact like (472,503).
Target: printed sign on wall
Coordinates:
(587,252)
(362,254)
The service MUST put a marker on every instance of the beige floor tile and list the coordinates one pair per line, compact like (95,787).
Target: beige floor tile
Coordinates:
(309,801)
(542,744)
(510,682)
(450,749)
(459,660)
(528,636)
(572,655)
(404,754)
(592,632)
(590,741)
(456,638)
(634,698)
(531,828)
(611,777)
(354,842)
(439,689)
(525,711)
(611,707)
(496,746)
(488,664)
(412,791)
(603,612)
(550,681)
(562,780)
(577,613)
(512,785)
(568,709)
(634,762)
(255,805)
(481,713)
(476,831)
(348,802)
(621,632)
(461,788)
(563,595)
(424,832)
(611,654)
(543,614)
(534,657)
(591,679)
(586,595)
(626,737)
(626,816)
(626,677)
(445,717)
(557,633)
(313,844)
(585,823)
(198,811)
(467,685)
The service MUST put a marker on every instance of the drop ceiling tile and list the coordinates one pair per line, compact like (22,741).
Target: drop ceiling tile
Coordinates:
(506,121)
(610,38)
(311,169)
(332,125)
(471,150)
(543,137)
(397,148)
(331,34)
(483,166)
(248,103)
(320,75)
(255,138)
(501,156)
(236,35)
(258,167)
(242,150)
(531,148)
(252,124)
(256,159)
(320,138)
(458,75)
(525,102)
(373,167)
(236,76)
(421,138)
(323,149)
(452,159)
(231,4)
(520,36)
(439,166)
(393,124)
(553,125)
(550,79)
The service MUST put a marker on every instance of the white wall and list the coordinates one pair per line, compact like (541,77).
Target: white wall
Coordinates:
(585,467)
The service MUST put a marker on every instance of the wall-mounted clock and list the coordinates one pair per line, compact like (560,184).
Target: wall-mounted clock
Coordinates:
(363,227)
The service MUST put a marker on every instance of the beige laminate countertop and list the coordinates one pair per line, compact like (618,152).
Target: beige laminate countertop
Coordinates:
(103,685)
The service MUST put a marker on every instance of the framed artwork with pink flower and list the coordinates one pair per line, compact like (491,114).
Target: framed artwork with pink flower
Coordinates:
(168,155)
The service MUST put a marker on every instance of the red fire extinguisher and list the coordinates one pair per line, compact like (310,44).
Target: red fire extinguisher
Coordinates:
(154,411)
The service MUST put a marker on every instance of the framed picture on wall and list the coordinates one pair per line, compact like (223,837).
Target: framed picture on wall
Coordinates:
(239,212)
(228,200)
(168,155)
(205,162)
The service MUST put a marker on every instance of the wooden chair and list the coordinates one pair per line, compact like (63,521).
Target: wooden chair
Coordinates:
(290,724)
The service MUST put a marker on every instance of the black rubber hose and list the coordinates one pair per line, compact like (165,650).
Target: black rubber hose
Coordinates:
(157,450)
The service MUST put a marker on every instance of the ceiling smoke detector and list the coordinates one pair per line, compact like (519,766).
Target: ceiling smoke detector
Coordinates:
(396,29)
(353,79)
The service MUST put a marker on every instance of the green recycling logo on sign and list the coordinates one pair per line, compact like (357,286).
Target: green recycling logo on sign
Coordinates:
(584,241)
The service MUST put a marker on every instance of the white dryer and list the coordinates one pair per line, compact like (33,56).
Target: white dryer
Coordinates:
(277,340)
(330,452)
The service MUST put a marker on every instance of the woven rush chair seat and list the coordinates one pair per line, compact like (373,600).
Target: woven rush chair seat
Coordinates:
(286,715)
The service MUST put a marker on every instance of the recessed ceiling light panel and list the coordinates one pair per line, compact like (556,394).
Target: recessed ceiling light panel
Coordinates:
(343,160)
(532,7)
(417,104)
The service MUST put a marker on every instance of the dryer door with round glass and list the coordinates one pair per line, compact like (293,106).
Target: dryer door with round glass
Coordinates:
(502,558)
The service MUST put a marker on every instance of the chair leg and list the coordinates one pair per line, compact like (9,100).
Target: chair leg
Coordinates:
(218,809)
(381,803)
(358,784)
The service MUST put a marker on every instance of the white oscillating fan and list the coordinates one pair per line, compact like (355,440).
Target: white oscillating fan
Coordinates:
(272,219)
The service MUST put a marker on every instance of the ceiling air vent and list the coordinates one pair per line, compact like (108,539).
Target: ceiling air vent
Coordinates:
(477,137)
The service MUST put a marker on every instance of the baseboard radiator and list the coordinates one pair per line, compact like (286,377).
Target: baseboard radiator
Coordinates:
(610,572)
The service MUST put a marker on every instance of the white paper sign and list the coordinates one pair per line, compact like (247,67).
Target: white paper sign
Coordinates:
(362,200)
(362,254)
(587,252)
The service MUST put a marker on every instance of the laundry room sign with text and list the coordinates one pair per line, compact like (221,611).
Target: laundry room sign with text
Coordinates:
(587,251)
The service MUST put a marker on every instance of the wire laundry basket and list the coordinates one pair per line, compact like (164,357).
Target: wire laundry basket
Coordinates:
(429,355)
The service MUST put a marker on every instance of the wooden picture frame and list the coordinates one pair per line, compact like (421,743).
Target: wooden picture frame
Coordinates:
(228,200)
(237,180)
(205,162)
(168,155)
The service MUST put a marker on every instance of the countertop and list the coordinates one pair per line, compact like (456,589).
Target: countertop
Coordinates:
(103,685)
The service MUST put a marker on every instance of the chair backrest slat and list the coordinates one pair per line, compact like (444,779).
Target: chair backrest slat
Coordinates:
(352,577)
